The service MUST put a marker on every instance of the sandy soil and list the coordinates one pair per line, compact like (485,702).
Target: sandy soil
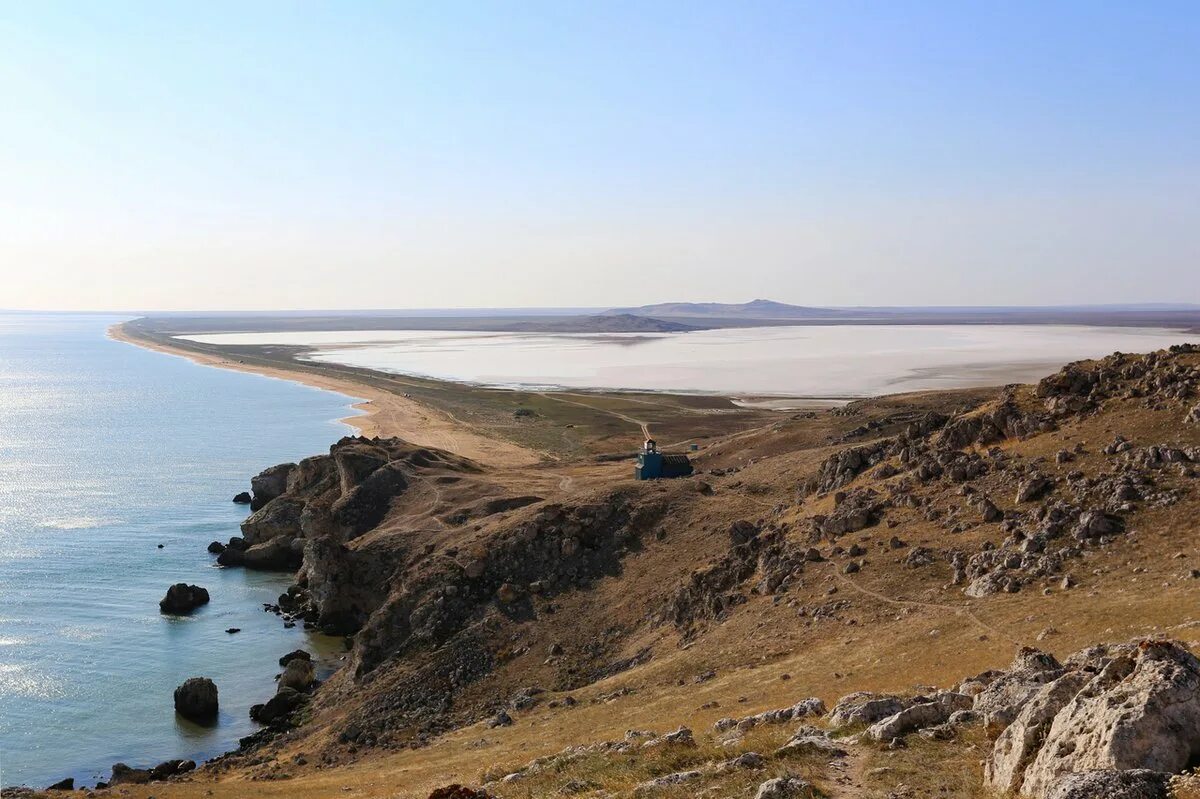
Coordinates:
(383,413)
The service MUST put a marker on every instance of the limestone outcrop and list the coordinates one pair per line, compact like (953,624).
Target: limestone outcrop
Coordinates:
(1108,708)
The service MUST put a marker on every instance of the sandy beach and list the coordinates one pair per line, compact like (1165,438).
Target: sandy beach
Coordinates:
(383,413)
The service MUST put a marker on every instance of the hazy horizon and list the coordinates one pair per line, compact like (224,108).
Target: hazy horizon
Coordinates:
(293,157)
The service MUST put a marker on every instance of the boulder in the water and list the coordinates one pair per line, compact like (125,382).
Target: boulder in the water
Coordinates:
(242,498)
(196,699)
(183,598)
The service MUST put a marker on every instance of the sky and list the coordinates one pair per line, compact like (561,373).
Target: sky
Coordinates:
(292,155)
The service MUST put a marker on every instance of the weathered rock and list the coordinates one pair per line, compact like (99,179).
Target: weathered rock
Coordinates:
(501,719)
(293,655)
(783,788)
(126,775)
(1095,523)
(299,675)
(279,554)
(1005,769)
(279,517)
(988,510)
(1141,710)
(171,768)
(808,739)
(279,708)
(243,498)
(269,484)
(459,792)
(216,547)
(863,707)
(182,598)
(1032,489)
(63,785)
(196,699)
(1002,699)
(667,781)
(919,715)
(1110,784)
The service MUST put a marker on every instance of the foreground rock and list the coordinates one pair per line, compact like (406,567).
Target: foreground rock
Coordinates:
(1135,784)
(1110,708)
(196,699)
(182,598)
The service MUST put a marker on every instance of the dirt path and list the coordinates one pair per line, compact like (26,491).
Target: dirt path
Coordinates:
(851,772)
(384,413)
(644,426)
(959,610)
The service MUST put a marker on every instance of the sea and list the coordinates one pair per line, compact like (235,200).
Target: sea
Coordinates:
(117,468)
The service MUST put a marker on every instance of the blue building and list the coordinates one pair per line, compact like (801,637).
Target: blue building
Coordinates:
(652,464)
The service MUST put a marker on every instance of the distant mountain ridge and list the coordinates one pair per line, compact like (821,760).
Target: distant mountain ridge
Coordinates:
(755,309)
(601,323)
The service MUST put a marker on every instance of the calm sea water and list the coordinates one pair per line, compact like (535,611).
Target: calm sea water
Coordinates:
(833,361)
(107,451)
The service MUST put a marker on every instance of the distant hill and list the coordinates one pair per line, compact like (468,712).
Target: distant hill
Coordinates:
(755,309)
(600,323)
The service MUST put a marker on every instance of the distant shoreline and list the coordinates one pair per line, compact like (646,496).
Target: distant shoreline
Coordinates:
(382,413)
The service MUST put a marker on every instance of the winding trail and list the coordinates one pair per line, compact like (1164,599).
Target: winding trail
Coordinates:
(644,425)
(958,610)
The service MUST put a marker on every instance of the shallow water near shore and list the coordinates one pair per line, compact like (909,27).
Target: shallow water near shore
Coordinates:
(835,361)
(106,451)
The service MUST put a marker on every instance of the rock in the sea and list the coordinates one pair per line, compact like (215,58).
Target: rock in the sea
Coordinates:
(299,675)
(1108,784)
(243,498)
(216,547)
(63,785)
(183,598)
(196,699)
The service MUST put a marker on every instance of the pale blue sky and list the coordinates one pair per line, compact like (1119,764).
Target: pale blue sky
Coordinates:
(367,155)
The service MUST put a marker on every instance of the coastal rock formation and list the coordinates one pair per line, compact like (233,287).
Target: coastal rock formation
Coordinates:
(196,699)
(269,484)
(182,598)
(243,498)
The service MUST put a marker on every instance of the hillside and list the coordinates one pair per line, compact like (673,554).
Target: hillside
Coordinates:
(540,630)
(755,309)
